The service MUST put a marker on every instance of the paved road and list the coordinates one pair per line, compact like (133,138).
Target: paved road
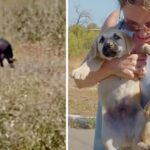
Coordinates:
(80,139)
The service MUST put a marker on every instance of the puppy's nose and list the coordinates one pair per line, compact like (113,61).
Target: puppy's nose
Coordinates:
(110,45)
(109,49)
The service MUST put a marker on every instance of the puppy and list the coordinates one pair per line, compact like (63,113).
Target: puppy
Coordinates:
(6,52)
(123,119)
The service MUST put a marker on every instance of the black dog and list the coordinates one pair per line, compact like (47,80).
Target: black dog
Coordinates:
(6,52)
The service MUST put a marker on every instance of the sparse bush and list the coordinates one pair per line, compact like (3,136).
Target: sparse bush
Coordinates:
(80,39)
(32,96)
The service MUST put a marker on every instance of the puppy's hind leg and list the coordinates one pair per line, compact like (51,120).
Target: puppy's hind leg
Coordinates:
(109,145)
(1,59)
(1,63)
(112,133)
(146,131)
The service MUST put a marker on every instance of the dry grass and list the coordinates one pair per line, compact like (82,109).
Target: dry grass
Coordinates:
(32,96)
(32,20)
(81,101)
(32,99)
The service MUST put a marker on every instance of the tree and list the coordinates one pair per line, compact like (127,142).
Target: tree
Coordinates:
(92,26)
(83,16)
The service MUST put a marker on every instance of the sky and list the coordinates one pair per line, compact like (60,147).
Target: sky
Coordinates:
(99,9)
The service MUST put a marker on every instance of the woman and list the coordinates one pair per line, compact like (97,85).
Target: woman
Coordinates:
(137,20)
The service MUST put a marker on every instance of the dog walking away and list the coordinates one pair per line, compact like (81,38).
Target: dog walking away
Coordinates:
(123,118)
(6,52)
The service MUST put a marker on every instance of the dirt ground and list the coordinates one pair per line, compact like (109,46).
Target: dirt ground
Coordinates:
(81,101)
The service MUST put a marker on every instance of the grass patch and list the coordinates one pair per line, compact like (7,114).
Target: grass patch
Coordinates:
(32,99)
(32,96)
(82,101)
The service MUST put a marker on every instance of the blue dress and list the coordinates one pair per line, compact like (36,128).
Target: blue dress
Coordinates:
(145,92)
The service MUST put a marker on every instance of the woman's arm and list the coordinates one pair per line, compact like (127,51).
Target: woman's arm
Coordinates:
(94,77)
(131,67)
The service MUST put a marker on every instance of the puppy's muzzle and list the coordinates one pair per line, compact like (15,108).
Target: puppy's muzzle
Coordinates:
(110,48)
(11,62)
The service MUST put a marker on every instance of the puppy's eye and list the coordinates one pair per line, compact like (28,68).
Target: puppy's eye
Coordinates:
(102,39)
(116,37)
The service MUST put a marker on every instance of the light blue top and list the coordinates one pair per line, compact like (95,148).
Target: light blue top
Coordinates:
(145,92)
(145,85)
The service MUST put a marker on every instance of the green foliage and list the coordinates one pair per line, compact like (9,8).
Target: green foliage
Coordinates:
(80,39)
(92,26)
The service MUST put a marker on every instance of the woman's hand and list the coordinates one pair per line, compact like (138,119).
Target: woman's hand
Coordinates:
(131,66)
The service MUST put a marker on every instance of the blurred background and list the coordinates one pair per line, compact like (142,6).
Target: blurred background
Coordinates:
(85,20)
(84,24)
(32,95)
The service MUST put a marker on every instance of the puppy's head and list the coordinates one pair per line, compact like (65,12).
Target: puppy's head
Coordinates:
(114,43)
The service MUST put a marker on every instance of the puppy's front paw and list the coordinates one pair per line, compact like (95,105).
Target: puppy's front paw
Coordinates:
(147,110)
(80,73)
(146,48)
(143,146)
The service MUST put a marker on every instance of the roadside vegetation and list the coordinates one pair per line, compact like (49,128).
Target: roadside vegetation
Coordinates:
(32,95)
(81,39)
(81,101)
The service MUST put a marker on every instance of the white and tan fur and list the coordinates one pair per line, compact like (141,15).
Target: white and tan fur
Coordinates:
(123,118)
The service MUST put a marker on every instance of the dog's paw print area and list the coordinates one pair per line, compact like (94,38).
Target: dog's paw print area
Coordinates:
(80,73)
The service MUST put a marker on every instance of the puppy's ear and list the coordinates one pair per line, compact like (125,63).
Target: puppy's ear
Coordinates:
(94,48)
(92,62)
(128,42)
(93,51)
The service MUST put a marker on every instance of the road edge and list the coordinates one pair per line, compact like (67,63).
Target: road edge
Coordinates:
(78,121)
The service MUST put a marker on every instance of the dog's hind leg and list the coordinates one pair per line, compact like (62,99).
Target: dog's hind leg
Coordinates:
(1,62)
(139,125)
(109,145)
(142,134)
(112,133)
(146,130)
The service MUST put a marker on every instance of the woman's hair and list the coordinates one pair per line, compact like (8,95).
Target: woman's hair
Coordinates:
(144,3)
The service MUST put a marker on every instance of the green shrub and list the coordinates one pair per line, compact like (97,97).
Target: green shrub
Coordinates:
(80,39)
